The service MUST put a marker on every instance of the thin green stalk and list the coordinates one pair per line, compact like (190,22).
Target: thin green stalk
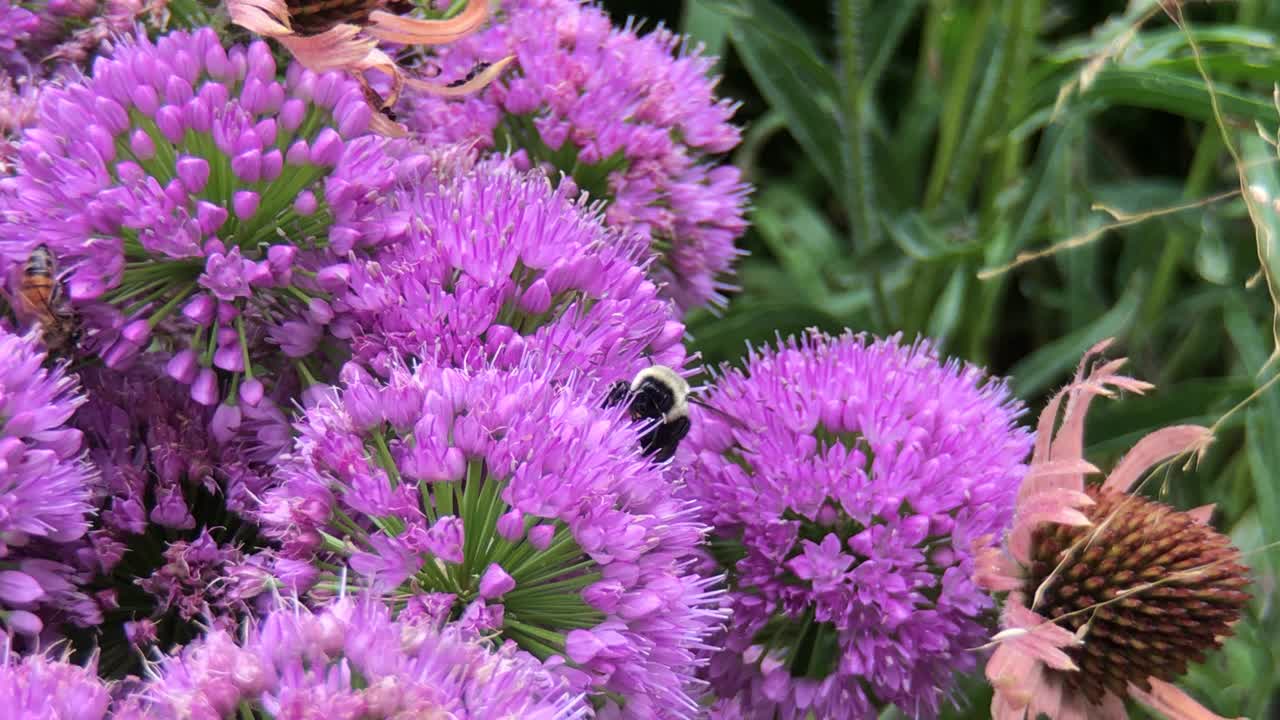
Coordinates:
(859,190)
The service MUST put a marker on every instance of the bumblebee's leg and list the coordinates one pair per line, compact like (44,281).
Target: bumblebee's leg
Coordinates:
(666,437)
(617,394)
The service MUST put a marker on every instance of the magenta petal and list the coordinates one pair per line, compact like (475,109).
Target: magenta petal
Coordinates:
(496,582)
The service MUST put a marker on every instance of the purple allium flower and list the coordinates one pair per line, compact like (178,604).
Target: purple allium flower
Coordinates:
(200,206)
(633,119)
(38,687)
(513,505)
(351,661)
(493,264)
(45,483)
(846,498)
(167,555)
(18,101)
(16,26)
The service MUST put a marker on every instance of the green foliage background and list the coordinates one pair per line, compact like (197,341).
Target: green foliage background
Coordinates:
(902,148)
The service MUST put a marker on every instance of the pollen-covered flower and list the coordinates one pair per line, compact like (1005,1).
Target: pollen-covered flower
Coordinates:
(199,206)
(345,36)
(513,506)
(491,265)
(349,661)
(1110,594)
(846,480)
(39,687)
(45,483)
(168,554)
(633,119)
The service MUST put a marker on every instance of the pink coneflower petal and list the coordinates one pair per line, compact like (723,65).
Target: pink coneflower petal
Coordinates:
(265,17)
(476,83)
(1172,702)
(1154,449)
(1203,513)
(1066,474)
(390,27)
(994,569)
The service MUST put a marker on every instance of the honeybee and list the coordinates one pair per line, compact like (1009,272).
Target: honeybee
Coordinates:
(40,298)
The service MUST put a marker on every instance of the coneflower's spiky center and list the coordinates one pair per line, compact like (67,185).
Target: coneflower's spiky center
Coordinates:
(1155,588)
(312,17)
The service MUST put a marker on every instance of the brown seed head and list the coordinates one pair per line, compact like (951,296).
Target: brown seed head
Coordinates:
(1156,588)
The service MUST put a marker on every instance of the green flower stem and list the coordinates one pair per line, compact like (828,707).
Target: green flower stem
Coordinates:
(553,589)
(163,312)
(555,572)
(551,638)
(334,545)
(540,649)
(385,460)
(470,497)
(244,347)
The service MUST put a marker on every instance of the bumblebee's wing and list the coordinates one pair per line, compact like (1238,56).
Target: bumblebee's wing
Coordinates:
(732,420)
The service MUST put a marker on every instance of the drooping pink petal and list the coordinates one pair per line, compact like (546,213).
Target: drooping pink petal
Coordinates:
(264,17)
(413,31)
(1202,514)
(994,570)
(341,47)
(1153,449)
(1068,474)
(1172,702)
(1041,640)
(476,83)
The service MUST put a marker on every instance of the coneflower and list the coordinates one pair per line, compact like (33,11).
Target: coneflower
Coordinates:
(1110,594)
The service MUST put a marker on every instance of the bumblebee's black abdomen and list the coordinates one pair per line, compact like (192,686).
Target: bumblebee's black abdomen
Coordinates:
(651,402)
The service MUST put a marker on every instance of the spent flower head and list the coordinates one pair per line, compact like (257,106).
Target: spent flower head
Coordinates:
(1110,595)
(200,206)
(169,552)
(631,118)
(511,505)
(846,480)
(491,265)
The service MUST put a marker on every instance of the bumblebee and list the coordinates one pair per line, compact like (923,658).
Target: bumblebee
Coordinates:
(40,299)
(659,395)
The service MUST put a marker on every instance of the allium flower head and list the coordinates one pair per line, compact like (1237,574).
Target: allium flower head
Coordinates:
(845,497)
(512,506)
(634,119)
(491,265)
(168,555)
(39,687)
(16,26)
(1110,594)
(45,484)
(349,662)
(199,206)
(344,36)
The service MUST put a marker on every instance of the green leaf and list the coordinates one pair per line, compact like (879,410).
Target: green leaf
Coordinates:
(706,24)
(792,76)
(1041,368)
(1179,94)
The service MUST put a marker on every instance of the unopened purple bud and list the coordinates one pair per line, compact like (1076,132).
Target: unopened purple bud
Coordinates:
(111,114)
(319,311)
(603,595)
(280,257)
(582,646)
(175,192)
(272,164)
(216,63)
(259,274)
(177,91)
(292,113)
(136,332)
(141,145)
(169,120)
(19,588)
(305,203)
(210,217)
(182,366)
(265,129)
(355,121)
(245,203)
(541,535)
(199,310)
(225,422)
(537,298)
(102,141)
(262,64)
(325,92)
(229,357)
(120,354)
(24,623)
(327,148)
(251,392)
(227,314)
(495,582)
(511,525)
(670,334)
(193,172)
(129,172)
(145,99)
(299,154)
(248,166)
(205,388)
(334,278)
